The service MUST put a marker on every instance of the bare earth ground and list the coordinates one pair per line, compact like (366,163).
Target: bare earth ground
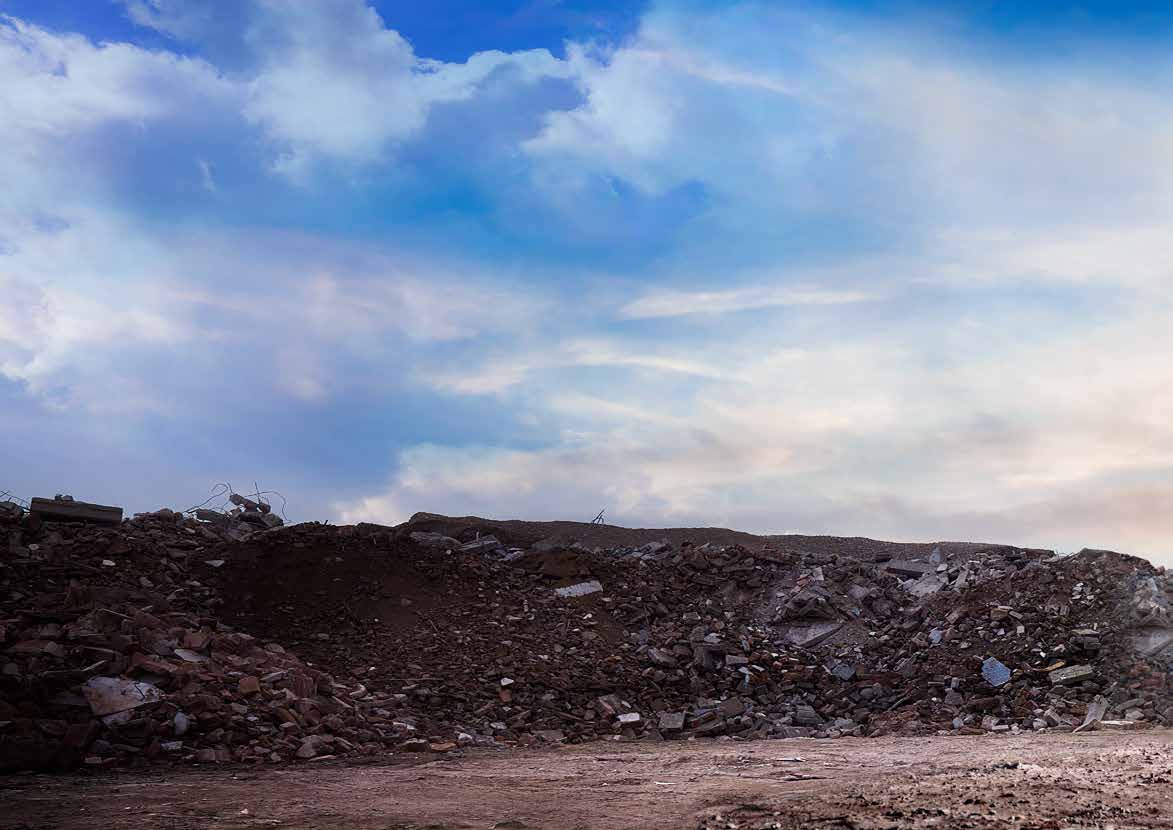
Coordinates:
(1047,782)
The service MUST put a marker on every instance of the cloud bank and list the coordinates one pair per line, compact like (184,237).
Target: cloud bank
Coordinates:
(783,270)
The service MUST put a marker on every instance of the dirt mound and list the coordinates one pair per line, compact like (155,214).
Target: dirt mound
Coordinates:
(165,638)
(115,651)
(694,638)
(608,537)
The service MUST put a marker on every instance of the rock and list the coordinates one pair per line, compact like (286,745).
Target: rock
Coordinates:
(995,672)
(795,732)
(111,695)
(662,658)
(844,671)
(805,715)
(311,746)
(732,708)
(1122,725)
(671,722)
(580,589)
(1095,714)
(189,656)
(435,540)
(810,636)
(481,545)
(65,509)
(910,569)
(1071,675)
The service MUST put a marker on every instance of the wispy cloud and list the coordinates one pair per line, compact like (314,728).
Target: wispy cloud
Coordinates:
(677,303)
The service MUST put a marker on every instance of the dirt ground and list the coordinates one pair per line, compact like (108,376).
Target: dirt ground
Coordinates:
(1049,782)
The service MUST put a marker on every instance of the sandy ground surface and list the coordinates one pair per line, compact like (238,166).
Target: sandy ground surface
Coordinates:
(1049,782)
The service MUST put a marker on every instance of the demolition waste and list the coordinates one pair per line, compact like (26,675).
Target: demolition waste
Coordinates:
(213,637)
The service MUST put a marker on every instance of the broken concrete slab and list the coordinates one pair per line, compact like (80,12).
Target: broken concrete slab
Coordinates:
(811,634)
(1095,713)
(995,672)
(65,509)
(1150,642)
(580,589)
(671,722)
(481,545)
(910,569)
(1070,675)
(111,695)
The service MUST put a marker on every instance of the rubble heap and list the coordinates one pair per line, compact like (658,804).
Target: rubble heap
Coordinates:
(172,638)
(113,651)
(498,642)
(245,518)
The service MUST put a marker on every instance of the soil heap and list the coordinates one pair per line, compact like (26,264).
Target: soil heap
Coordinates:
(167,638)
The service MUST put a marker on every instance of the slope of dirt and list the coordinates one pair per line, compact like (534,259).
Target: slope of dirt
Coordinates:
(1102,781)
(525,534)
(164,641)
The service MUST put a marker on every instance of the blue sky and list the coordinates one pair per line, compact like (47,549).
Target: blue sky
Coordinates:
(877,268)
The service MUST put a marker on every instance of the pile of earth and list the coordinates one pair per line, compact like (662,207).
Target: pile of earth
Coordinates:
(167,639)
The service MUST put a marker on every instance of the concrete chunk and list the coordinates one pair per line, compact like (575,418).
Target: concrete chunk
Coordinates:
(995,672)
(671,722)
(1071,674)
(582,589)
(111,695)
(68,510)
(909,568)
(1095,713)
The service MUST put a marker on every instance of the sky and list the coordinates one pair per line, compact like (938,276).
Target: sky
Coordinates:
(892,269)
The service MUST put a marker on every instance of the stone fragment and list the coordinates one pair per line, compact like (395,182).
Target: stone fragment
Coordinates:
(65,509)
(660,657)
(671,722)
(995,672)
(1095,714)
(1070,675)
(580,589)
(311,746)
(111,695)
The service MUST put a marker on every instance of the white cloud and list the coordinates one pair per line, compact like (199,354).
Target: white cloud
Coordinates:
(783,117)
(306,307)
(876,437)
(56,84)
(678,303)
(333,81)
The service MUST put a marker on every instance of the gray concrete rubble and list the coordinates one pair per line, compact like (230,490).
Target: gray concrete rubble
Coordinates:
(244,519)
(64,509)
(214,637)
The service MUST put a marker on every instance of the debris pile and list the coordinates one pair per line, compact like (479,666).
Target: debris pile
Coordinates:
(243,519)
(111,651)
(172,638)
(705,640)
